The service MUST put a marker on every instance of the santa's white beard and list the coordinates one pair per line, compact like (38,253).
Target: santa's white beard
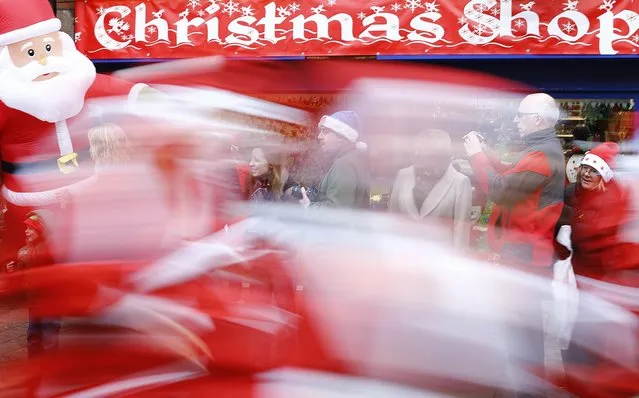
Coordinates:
(53,100)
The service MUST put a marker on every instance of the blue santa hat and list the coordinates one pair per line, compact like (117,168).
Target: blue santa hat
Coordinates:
(344,123)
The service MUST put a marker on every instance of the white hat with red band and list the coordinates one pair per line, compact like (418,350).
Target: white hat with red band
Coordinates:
(602,158)
(25,19)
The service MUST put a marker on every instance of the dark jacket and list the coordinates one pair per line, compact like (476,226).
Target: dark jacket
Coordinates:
(528,199)
(347,182)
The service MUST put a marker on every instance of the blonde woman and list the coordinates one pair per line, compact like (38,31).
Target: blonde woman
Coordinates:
(269,179)
(109,145)
(432,189)
(122,212)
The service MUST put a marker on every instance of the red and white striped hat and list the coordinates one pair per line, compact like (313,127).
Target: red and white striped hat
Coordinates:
(24,19)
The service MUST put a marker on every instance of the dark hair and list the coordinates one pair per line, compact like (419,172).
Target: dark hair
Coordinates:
(581,132)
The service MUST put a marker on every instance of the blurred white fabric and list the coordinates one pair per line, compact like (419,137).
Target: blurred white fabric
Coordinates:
(565,295)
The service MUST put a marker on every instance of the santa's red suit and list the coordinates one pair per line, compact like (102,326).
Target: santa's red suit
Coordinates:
(44,151)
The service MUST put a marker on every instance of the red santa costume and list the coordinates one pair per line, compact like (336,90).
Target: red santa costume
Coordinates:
(44,83)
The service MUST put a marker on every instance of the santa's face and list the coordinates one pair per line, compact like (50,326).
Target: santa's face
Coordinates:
(38,49)
(45,76)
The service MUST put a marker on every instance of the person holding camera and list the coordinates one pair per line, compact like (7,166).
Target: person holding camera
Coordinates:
(528,198)
(528,195)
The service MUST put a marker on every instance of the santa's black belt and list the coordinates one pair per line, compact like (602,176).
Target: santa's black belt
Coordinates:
(39,166)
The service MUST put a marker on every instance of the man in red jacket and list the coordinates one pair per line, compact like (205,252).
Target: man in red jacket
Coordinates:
(527,202)
(527,196)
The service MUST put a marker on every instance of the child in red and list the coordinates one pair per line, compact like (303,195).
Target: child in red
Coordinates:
(42,334)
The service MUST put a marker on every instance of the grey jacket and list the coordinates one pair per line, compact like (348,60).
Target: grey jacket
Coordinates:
(449,201)
(347,183)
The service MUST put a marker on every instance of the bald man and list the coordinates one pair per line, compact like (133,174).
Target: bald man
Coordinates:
(527,196)
(528,200)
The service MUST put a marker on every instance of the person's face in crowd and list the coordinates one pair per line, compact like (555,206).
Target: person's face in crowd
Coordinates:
(428,160)
(30,235)
(330,141)
(259,164)
(589,177)
(527,119)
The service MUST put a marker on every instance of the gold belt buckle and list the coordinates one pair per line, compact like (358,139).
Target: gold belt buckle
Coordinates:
(68,163)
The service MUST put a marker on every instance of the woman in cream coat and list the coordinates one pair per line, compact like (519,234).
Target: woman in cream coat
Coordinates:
(432,189)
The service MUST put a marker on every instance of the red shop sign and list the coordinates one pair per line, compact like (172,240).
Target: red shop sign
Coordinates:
(109,29)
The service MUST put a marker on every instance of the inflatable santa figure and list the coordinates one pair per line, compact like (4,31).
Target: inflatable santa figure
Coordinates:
(44,84)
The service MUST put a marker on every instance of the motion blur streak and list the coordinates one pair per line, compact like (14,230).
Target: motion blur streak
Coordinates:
(170,283)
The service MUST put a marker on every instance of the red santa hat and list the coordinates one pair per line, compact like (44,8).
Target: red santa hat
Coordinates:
(38,220)
(24,19)
(602,159)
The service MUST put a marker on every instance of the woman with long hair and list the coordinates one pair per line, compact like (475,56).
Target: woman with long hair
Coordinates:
(269,178)
(109,145)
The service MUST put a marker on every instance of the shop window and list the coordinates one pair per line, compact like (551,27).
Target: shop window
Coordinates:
(604,120)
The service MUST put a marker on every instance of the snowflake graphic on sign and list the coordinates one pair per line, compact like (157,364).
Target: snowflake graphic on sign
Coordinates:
(231,8)
(361,15)
(193,3)
(412,5)
(331,3)
(100,11)
(396,7)
(294,8)
(568,27)
(480,29)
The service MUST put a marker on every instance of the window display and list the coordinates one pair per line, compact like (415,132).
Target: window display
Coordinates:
(596,120)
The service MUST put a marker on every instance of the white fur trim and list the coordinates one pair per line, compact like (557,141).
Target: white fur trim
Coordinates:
(598,164)
(214,98)
(42,198)
(64,138)
(135,92)
(339,127)
(40,28)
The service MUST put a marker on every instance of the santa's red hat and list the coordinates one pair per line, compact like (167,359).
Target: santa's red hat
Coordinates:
(602,159)
(24,19)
